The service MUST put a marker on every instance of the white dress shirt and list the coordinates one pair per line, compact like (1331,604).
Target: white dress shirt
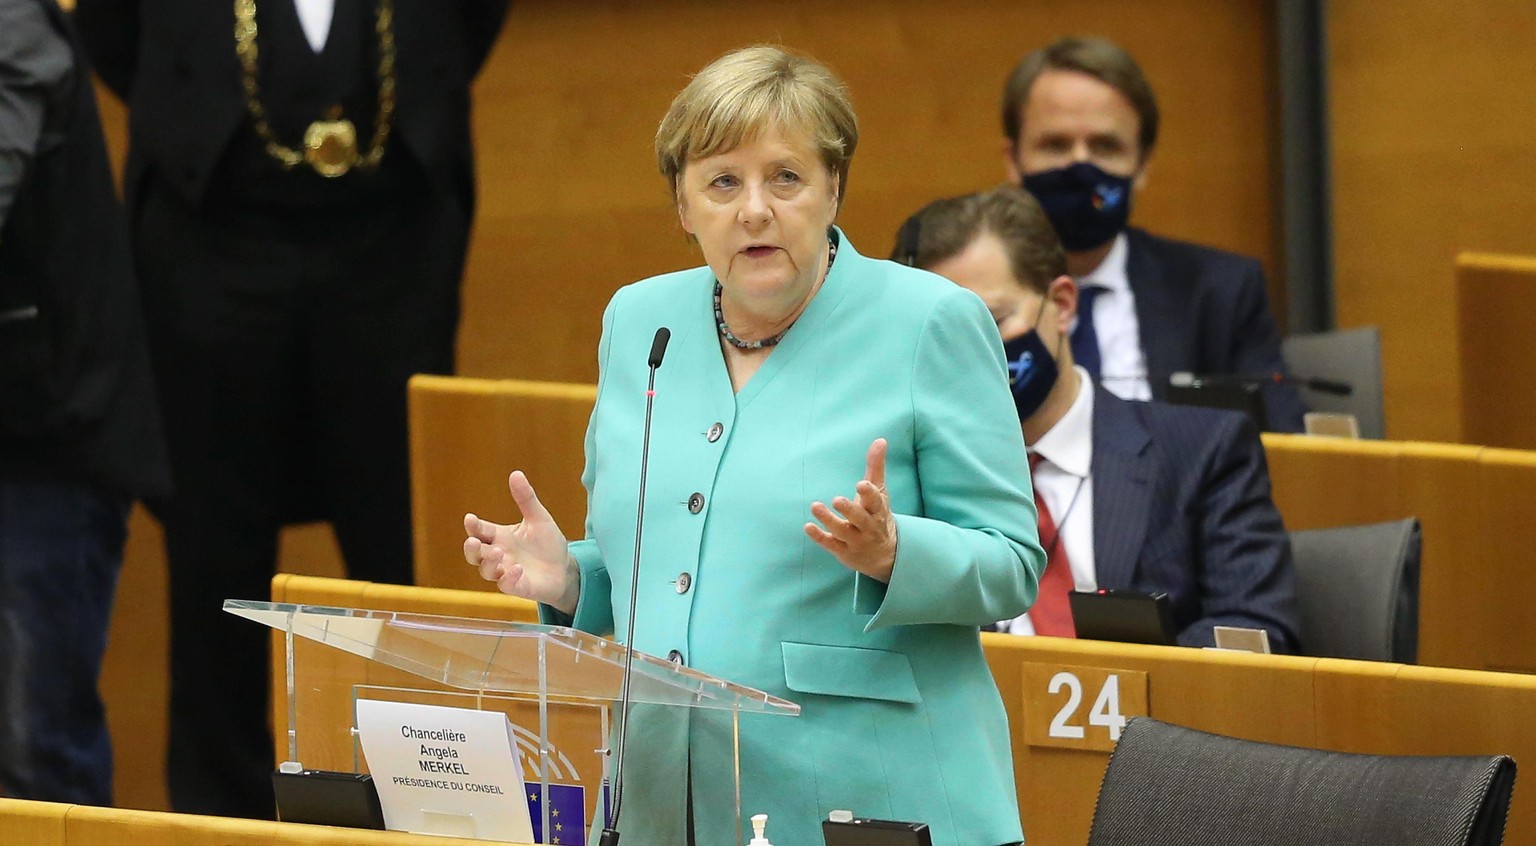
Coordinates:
(315,16)
(1062,476)
(1123,366)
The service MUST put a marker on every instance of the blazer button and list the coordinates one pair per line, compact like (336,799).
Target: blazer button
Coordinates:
(695,502)
(684,581)
(715,432)
(675,657)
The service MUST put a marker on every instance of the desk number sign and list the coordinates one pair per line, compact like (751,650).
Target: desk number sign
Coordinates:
(1080,707)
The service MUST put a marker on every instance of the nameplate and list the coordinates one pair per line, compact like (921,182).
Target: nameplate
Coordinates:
(1080,707)
(450,771)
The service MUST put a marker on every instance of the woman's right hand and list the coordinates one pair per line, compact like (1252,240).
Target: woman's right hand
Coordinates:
(530,559)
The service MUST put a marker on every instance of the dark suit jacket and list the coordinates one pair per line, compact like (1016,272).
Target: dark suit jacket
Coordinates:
(1206,311)
(173,62)
(76,402)
(1181,504)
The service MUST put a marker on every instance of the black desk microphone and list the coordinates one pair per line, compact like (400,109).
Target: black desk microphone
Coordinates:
(1185,379)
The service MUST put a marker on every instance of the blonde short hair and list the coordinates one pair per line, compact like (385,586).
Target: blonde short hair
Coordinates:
(743,93)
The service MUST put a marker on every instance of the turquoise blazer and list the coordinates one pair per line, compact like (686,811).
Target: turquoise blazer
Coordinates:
(901,718)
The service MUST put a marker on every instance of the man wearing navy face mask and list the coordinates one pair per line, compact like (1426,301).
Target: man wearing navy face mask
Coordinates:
(1138,496)
(1080,122)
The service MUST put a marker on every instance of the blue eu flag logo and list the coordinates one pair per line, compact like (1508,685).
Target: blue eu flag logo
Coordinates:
(567,813)
(1107,197)
(1019,369)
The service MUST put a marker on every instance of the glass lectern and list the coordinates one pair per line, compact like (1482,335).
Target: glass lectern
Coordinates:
(557,686)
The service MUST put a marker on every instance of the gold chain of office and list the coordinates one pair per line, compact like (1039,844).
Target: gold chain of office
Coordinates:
(330,145)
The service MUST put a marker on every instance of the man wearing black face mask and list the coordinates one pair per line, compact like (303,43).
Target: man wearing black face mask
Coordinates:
(1131,495)
(1080,122)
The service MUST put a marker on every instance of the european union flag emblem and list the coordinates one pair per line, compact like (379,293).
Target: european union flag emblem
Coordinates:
(567,813)
(1020,367)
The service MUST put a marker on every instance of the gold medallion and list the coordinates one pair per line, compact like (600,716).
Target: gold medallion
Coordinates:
(330,146)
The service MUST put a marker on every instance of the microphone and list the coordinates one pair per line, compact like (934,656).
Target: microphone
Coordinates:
(610,835)
(658,349)
(1185,379)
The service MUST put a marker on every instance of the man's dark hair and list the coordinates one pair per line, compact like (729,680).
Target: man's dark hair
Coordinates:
(944,228)
(1101,59)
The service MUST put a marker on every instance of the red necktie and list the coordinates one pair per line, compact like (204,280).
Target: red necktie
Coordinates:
(1051,614)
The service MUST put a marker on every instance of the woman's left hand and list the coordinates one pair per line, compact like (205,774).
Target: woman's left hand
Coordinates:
(861,532)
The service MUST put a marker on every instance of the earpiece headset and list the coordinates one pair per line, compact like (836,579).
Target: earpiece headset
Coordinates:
(906,240)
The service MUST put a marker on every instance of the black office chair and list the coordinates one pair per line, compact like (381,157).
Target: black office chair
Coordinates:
(1350,356)
(1171,786)
(1357,588)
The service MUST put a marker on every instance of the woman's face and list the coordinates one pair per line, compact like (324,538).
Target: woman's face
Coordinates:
(760,213)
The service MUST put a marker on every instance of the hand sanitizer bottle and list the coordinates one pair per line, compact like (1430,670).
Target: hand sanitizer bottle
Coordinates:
(759,823)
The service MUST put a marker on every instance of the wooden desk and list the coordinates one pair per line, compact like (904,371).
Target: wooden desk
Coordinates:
(1351,706)
(24,823)
(1479,522)
(466,436)
(1495,298)
(32,823)
(1348,706)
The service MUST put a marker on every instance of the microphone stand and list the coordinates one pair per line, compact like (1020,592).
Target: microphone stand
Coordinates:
(610,835)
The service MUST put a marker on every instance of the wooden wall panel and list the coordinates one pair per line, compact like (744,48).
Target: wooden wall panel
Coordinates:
(135,672)
(572,207)
(1431,135)
(135,675)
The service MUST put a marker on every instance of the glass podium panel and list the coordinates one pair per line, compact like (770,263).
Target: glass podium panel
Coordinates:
(555,684)
(494,656)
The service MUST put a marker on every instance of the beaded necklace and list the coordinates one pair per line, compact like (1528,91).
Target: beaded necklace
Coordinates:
(725,330)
